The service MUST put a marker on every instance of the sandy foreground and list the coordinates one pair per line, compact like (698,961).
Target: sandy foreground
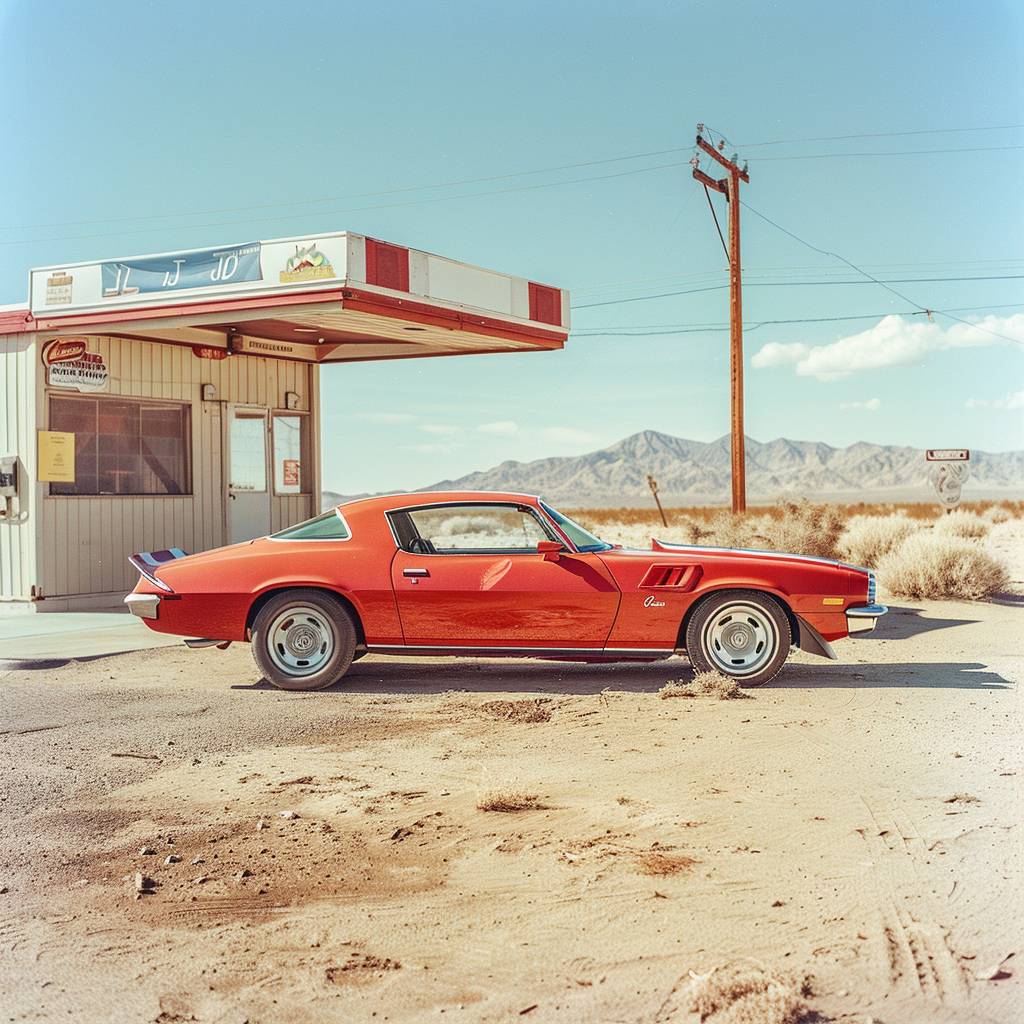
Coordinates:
(858,821)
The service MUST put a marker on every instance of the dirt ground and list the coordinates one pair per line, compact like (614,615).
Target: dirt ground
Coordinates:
(859,821)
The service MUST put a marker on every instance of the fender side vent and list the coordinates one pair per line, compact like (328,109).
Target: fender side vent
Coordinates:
(671,577)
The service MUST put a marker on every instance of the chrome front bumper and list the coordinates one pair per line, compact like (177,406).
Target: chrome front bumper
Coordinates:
(146,606)
(863,620)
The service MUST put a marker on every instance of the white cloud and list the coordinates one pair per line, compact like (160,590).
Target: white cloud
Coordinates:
(1014,400)
(869,404)
(438,428)
(893,341)
(572,435)
(777,354)
(386,417)
(503,428)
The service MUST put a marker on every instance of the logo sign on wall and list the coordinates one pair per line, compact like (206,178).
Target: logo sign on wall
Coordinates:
(307,264)
(70,364)
(201,269)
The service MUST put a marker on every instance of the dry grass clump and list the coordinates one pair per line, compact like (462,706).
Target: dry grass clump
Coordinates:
(744,992)
(961,523)
(705,684)
(961,798)
(996,514)
(867,538)
(527,711)
(799,527)
(935,566)
(508,801)
(659,864)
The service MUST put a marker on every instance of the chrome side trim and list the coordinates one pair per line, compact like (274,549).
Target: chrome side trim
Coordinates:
(545,652)
(145,606)
(870,611)
(535,510)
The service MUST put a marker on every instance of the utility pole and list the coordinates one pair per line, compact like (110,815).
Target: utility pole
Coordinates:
(730,188)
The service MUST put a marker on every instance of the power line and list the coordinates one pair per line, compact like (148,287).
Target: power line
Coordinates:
(345,198)
(641,331)
(883,284)
(359,209)
(808,284)
(884,135)
(890,152)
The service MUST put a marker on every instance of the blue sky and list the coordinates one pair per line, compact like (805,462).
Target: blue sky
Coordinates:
(133,127)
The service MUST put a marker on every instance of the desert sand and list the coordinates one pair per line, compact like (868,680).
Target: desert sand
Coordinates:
(857,821)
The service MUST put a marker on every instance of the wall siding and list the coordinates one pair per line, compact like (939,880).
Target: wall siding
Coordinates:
(18,355)
(86,540)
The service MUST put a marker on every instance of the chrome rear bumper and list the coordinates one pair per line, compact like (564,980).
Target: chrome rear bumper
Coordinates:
(863,619)
(146,606)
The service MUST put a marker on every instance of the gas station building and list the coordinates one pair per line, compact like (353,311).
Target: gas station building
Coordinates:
(173,400)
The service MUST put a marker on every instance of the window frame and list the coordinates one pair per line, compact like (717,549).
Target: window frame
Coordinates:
(188,491)
(305,485)
(406,511)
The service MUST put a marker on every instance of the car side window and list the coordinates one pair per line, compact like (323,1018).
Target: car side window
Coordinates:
(470,529)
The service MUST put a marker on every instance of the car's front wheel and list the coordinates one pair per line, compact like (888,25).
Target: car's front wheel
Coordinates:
(303,640)
(743,634)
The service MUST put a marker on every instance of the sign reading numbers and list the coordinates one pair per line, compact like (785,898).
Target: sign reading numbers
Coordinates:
(201,269)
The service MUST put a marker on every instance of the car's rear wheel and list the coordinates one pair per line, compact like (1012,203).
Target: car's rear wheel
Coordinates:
(303,640)
(743,634)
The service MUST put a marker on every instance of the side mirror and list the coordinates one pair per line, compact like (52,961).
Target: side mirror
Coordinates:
(550,549)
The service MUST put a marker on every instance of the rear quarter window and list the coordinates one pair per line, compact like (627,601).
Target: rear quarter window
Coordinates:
(329,526)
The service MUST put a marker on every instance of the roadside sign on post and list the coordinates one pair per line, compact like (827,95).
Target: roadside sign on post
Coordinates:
(947,473)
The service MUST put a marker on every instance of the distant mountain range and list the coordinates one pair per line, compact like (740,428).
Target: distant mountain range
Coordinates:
(697,472)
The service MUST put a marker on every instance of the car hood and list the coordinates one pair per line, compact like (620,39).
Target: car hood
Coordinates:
(753,554)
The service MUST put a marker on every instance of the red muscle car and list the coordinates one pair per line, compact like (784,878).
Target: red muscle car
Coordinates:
(491,574)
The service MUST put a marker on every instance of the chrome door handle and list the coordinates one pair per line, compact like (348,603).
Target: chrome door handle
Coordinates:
(415,572)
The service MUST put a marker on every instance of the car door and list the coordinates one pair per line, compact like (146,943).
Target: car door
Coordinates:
(470,575)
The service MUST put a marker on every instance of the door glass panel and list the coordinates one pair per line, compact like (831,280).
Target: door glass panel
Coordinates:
(466,529)
(290,461)
(248,451)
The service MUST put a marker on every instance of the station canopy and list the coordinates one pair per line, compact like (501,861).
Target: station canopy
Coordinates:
(338,297)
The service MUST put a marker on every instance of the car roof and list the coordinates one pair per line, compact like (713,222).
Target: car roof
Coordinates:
(387,502)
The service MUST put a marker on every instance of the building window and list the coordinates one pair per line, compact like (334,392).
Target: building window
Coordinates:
(291,454)
(125,446)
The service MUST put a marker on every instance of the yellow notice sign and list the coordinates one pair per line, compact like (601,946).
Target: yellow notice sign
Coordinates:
(57,456)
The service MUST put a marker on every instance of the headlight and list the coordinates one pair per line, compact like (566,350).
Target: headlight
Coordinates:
(872,588)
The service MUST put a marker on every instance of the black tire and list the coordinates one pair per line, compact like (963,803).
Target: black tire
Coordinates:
(303,640)
(761,630)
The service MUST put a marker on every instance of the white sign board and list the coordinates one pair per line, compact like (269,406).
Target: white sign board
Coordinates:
(947,473)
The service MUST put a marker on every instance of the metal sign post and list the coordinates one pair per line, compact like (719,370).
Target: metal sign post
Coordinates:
(653,484)
(948,471)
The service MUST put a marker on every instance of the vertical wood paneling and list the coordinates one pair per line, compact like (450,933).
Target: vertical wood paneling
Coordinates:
(86,541)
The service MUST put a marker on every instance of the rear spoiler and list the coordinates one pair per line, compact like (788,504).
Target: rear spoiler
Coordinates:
(147,562)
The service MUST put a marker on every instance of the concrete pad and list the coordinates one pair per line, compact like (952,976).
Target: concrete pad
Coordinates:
(58,637)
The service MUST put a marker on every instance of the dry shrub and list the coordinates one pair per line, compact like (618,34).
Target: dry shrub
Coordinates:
(867,539)
(508,801)
(997,514)
(798,527)
(517,710)
(744,992)
(930,565)
(705,684)
(960,523)
(660,864)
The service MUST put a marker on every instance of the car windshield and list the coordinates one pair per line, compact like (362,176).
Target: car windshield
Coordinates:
(584,540)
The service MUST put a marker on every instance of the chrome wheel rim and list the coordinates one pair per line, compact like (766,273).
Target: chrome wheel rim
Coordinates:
(301,640)
(740,639)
